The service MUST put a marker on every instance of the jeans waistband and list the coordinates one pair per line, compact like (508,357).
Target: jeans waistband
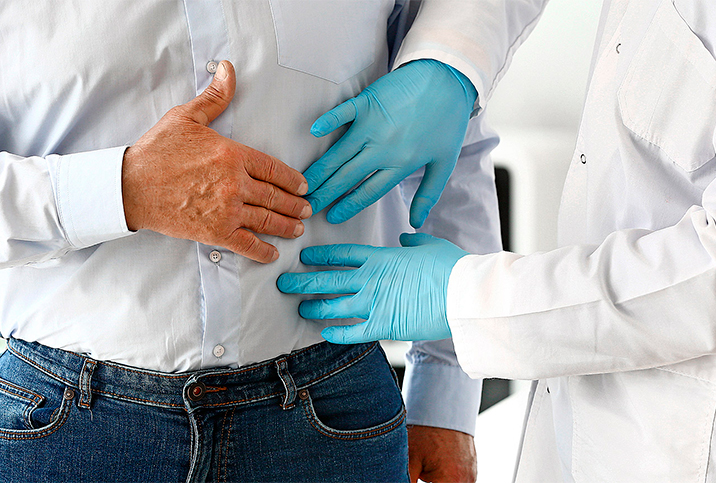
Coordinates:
(281,377)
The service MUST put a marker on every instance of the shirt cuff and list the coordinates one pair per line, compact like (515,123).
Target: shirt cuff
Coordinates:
(441,396)
(88,188)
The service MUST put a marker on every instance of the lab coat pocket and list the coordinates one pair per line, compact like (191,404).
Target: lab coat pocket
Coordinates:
(652,425)
(330,39)
(668,97)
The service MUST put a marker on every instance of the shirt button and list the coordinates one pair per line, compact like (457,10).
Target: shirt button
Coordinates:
(219,350)
(211,66)
(215,256)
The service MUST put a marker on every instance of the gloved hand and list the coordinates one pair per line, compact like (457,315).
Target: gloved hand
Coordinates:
(402,292)
(412,117)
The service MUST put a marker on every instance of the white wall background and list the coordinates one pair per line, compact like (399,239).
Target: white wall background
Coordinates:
(536,110)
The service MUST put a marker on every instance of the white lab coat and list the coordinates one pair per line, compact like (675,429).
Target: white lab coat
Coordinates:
(619,325)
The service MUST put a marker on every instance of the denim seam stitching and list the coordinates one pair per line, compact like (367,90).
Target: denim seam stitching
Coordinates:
(221,447)
(55,426)
(35,397)
(357,359)
(41,368)
(228,438)
(122,396)
(335,434)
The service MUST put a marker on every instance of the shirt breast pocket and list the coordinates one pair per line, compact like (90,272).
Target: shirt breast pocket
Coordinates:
(668,97)
(330,39)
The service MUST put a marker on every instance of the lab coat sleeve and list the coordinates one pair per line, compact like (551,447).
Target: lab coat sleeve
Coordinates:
(55,204)
(476,37)
(641,299)
(436,390)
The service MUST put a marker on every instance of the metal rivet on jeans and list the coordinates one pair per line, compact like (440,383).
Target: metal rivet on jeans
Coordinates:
(196,391)
(303,394)
(69,393)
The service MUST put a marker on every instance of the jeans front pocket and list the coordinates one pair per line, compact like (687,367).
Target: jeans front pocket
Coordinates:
(32,405)
(330,39)
(362,401)
(17,405)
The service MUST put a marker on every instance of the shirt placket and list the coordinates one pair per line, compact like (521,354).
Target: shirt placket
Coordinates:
(220,284)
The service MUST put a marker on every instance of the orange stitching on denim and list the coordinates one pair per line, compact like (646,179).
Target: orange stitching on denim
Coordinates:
(39,367)
(215,389)
(221,444)
(67,403)
(358,435)
(228,443)
(257,398)
(35,397)
(358,358)
(145,373)
(122,396)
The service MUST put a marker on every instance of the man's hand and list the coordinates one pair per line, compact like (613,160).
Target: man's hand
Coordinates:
(441,455)
(184,180)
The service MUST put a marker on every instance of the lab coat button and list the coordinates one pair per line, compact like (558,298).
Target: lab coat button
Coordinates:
(583,157)
(215,256)
(618,48)
(211,66)
(219,350)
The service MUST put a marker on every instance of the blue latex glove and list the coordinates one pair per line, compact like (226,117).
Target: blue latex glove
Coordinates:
(402,292)
(412,117)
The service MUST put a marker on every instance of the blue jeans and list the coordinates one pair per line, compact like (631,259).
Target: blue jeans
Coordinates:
(324,413)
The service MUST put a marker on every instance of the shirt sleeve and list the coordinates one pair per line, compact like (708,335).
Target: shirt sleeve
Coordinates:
(641,299)
(476,37)
(436,390)
(55,204)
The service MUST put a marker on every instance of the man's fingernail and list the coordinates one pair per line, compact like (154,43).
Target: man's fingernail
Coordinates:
(274,257)
(302,188)
(298,231)
(306,212)
(221,71)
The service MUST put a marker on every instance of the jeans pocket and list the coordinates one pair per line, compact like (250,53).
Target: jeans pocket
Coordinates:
(31,405)
(362,401)
(17,405)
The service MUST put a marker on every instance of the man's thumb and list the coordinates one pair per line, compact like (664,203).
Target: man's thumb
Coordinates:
(207,106)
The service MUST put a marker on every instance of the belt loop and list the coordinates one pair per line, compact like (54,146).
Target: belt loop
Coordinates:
(86,383)
(288,384)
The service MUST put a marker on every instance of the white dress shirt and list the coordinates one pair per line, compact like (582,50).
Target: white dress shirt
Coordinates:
(620,321)
(82,80)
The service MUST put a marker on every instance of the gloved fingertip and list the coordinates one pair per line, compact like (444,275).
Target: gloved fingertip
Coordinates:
(330,334)
(304,310)
(417,219)
(320,128)
(335,217)
(315,207)
(282,283)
